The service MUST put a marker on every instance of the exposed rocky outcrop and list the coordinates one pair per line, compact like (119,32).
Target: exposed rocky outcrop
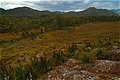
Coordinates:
(73,70)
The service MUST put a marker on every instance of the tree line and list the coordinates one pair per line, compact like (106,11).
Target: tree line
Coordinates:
(15,24)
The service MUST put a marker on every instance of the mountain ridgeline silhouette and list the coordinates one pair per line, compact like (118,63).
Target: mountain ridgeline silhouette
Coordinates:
(116,11)
(26,11)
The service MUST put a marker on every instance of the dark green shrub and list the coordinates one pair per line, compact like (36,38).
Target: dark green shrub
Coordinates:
(21,73)
(59,58)
(99,53)
(72,50)
(85,58)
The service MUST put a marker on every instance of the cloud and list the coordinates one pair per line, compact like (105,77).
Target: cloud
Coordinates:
(61,5)
(107,4)
(76,5)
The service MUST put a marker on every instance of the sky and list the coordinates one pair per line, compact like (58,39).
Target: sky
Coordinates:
(60,5)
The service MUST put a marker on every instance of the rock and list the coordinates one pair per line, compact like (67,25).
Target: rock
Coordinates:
(73,70)
(106,66)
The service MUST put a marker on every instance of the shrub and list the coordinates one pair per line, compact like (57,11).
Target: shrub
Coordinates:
(72,50)
(43,66)
(103,54)
(34,69)
(57,58)
(85,58)
(21,73)
(99,53)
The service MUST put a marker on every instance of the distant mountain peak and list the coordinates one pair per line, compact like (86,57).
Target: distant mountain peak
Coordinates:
(25,7)
(91,8)
(116,11)
(92,11)
(21,9)
(2,11)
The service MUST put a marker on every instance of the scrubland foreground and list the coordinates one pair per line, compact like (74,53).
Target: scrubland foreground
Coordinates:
(86,52)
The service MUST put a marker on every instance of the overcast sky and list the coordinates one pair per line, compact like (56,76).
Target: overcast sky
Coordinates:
(61,5)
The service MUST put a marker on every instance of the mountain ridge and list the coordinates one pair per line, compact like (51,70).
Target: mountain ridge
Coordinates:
(92,11)
(26,11)
(116,11)
(2,11)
